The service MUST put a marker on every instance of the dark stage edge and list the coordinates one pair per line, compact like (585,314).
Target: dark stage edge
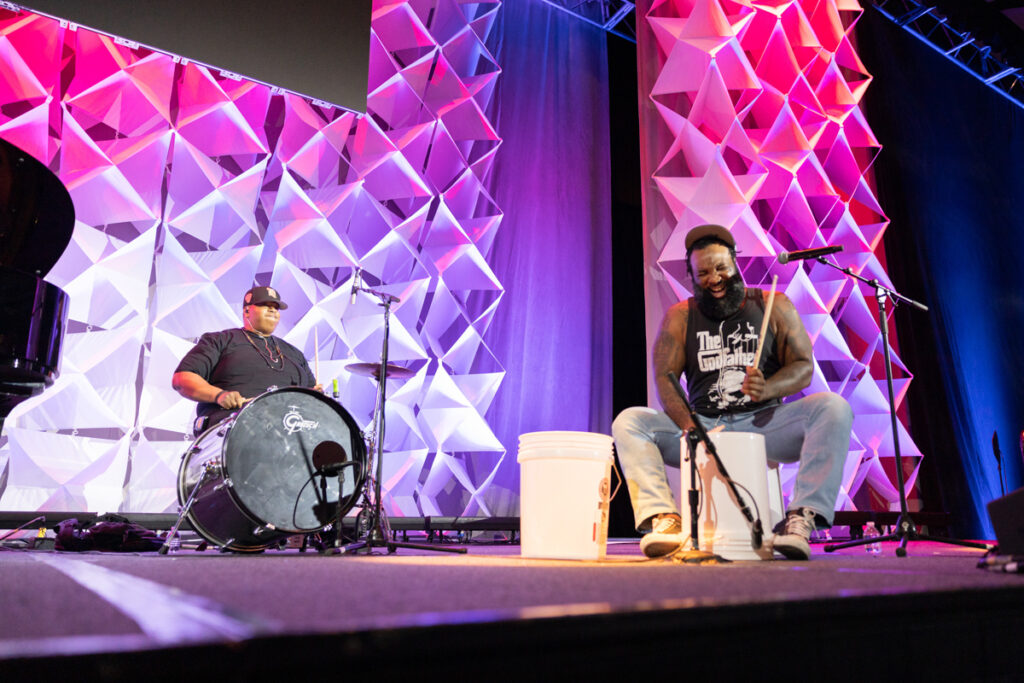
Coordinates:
(496,616)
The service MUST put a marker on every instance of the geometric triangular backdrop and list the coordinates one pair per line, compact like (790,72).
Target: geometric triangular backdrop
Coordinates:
(190,185)
(751,119)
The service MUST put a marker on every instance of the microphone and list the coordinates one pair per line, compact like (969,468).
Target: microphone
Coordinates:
(787,256)
(357,280)
(756,535)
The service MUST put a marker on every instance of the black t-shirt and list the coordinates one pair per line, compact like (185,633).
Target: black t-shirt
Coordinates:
(718,353)
(236,360)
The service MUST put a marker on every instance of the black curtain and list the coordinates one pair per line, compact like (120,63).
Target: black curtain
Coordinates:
(951,178)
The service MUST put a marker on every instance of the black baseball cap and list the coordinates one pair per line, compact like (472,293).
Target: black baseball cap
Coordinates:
(263,295)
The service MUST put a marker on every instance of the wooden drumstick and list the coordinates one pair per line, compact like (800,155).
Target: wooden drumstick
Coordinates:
(316,356)
(764,323)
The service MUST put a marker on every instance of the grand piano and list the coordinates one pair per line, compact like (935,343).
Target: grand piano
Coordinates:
(36,222)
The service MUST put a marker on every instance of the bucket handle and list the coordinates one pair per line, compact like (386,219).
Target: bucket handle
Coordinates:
(618,486)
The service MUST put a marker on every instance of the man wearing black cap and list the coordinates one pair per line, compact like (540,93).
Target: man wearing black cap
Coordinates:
(712,338)
(227,368)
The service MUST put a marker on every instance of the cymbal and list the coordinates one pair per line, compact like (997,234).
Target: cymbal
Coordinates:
(373,370)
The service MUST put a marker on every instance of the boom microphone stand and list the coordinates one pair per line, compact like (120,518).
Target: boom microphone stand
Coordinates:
(377,526)
(906,530)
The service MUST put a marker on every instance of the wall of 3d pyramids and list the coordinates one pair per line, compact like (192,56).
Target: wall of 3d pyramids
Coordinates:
(751,119)
(190,185)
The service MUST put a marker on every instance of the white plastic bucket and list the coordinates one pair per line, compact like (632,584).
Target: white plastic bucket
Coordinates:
(722,528)
(564,486)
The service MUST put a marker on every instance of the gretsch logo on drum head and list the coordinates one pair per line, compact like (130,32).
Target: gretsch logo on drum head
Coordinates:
(294,422)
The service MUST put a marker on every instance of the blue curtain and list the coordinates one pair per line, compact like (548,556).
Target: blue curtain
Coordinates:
(951,177)
(552,252)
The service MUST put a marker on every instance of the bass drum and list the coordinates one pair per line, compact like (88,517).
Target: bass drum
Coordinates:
(268,471)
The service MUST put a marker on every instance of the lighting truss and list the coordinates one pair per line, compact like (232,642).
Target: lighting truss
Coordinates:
(927,23)
(614,16)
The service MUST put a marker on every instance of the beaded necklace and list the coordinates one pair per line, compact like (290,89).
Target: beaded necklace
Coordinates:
(269,358)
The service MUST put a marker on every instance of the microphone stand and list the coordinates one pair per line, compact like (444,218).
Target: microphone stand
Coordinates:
(695,555)
(377,527)
(999,460)
(906,530)
(700,435)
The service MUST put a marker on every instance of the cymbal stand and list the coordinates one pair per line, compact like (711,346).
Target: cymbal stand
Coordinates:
(377,527)
(906,529)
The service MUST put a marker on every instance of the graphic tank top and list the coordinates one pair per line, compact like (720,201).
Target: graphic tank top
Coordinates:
(718,353)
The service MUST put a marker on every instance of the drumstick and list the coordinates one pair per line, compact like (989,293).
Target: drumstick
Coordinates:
(316,356)
(764,323)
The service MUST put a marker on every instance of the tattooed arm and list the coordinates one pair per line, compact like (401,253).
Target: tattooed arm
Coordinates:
(670,356)
(795,355)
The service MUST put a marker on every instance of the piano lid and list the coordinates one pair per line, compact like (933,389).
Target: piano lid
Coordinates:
(36,213)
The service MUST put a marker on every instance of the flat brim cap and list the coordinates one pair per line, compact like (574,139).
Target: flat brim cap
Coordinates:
(702,231)
(263,295)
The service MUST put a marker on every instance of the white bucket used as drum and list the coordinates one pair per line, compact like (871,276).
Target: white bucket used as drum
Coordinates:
(722,528)
(564,486)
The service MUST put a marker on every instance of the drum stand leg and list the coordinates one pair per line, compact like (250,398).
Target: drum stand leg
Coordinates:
(378,531)
(207,471)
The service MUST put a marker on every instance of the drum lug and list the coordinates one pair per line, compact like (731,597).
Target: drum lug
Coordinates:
(260,530)
(226,482)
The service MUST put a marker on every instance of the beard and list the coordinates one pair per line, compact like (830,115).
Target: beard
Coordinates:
(720,309)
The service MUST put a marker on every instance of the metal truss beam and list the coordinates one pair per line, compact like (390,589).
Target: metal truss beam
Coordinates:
(925,21)
(617,17)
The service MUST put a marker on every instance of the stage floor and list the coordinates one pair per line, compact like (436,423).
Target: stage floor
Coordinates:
(88,606)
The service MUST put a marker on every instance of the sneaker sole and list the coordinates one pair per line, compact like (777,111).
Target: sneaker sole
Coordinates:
(661,547)
(792,552)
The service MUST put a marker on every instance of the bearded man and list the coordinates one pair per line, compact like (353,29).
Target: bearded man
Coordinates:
(228,368)
(712,338)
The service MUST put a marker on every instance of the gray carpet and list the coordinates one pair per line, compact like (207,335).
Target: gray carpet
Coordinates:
(197,597)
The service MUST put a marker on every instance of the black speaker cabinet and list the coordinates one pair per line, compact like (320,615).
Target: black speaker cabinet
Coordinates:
(1007,515)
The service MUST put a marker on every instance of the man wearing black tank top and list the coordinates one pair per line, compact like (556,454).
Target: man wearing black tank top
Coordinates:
(227,368)
(712,339)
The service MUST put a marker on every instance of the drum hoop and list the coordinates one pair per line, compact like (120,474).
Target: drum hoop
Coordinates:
(345,416)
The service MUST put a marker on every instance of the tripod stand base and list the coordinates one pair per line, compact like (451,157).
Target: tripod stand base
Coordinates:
(392,546)
(378,538)
(906,531)
(697,557)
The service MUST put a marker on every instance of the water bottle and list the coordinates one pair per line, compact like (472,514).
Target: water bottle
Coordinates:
(875,546)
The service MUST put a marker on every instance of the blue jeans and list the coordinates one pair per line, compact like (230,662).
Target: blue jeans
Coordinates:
(814,430)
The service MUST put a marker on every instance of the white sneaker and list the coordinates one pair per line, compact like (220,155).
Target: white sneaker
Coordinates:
(793,541)
(665,536)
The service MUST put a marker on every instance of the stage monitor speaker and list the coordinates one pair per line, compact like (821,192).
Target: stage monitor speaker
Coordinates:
(1007,515)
